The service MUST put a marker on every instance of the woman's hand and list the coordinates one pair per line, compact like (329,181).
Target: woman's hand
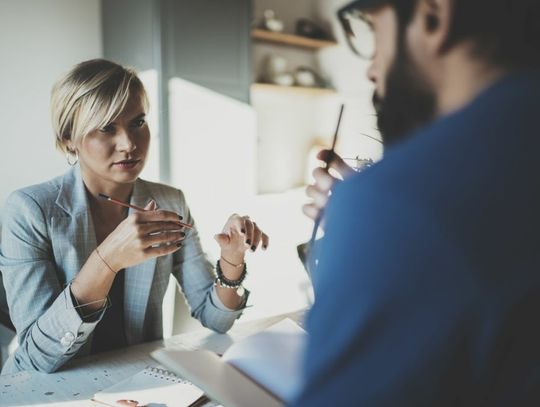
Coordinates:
(320,191)
(141,236)
(240,234)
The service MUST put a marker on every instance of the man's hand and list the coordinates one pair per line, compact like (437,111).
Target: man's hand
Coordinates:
(320,191)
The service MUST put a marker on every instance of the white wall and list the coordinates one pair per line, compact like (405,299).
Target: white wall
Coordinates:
(39,41)
(212,161)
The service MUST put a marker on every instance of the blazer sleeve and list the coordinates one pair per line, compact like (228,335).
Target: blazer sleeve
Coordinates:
(195,273)
(49,328)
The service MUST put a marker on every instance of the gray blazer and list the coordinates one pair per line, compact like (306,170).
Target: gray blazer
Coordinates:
(47,236)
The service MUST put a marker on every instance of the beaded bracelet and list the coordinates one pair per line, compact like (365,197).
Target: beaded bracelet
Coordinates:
(225,282)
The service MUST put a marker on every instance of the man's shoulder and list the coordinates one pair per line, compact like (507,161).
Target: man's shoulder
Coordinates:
(493,138)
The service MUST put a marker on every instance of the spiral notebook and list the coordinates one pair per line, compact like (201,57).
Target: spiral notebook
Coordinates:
(150,387)
(263,369)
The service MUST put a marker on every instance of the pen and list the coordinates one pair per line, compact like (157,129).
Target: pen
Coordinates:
(116,201)
(326,166)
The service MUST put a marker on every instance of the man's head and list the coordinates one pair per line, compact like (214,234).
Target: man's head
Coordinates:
(433,56)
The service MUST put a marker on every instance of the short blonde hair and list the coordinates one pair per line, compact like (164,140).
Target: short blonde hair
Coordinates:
(89,97)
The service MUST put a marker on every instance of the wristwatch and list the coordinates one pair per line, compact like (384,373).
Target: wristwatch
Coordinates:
(240,291)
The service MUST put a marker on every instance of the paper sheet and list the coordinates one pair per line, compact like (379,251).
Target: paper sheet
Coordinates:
(32,388)
(272,358)
(151,387)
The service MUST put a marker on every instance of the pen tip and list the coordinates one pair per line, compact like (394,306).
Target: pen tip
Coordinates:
(104,196)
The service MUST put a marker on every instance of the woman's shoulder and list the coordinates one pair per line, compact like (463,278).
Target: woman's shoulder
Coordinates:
(43,192)
(35,204)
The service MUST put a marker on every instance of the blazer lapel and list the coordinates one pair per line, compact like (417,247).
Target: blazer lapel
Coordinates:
(77,225)
(138,279)
(74,252)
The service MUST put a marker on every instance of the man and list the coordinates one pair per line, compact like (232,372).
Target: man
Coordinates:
(427,291)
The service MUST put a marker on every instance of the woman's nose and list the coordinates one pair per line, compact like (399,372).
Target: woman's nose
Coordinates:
(125,141)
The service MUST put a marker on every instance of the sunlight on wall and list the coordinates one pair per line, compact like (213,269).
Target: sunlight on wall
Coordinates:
(213,156)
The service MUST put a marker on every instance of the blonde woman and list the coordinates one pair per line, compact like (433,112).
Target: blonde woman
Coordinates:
(84,275)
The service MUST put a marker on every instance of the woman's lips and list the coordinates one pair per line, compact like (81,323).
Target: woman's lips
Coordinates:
(127,164)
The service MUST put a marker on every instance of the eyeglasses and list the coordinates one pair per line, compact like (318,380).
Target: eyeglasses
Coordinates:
(359,164)
(358,30)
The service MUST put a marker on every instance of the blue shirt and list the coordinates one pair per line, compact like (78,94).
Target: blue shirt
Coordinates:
(428,286)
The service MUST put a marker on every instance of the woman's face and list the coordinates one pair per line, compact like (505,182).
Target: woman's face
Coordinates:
(116,154)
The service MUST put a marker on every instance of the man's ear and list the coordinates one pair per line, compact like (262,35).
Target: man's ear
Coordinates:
(437,19)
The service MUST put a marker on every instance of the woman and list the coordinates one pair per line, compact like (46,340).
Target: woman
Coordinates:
(84,275)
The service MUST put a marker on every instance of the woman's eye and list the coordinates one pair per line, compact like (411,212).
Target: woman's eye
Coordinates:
(107,129)
(140,123)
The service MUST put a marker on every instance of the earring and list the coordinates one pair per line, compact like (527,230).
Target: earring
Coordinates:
(72,157)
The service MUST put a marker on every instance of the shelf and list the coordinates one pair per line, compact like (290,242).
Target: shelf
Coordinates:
(292,89)
(290,40)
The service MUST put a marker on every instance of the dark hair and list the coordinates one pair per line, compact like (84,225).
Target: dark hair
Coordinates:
(504,32)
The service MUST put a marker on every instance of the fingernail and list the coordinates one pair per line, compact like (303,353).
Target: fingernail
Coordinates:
(178,244)
(183,234)
(180,217)
(248,241)
(253,248)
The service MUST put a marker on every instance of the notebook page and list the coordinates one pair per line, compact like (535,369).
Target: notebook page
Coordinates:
(79,381)
(272,358)
(151,386)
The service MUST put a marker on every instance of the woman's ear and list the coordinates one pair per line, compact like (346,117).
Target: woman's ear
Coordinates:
(70,147)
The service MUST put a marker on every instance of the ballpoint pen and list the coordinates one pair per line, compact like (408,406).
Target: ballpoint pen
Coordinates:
(326,167)
(127,205)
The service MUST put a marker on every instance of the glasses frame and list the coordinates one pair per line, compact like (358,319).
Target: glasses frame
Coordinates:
(356,9)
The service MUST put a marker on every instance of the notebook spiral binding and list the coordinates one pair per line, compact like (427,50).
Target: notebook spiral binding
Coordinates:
(163,374)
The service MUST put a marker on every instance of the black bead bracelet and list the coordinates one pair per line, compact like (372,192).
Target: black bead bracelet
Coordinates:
(225,282)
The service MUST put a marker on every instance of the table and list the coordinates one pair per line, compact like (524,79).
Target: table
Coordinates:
(76,384)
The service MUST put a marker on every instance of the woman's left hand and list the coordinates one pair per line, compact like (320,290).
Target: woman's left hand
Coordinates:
(239,234)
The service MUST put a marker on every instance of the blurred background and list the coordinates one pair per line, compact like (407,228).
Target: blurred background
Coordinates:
(243,94)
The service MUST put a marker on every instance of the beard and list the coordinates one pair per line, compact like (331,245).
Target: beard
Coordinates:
(409,102)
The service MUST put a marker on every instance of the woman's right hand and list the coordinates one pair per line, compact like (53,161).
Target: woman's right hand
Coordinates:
(141,236)
(320,190)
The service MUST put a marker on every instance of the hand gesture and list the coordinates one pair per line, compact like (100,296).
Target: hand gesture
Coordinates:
(320,191)
(141,236)
(239,234)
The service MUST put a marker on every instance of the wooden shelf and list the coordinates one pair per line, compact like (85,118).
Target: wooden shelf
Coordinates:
(290,40)
(291,89)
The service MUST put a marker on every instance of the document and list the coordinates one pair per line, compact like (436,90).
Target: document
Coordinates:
(263,369)
(150,387)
